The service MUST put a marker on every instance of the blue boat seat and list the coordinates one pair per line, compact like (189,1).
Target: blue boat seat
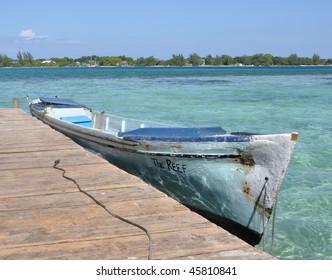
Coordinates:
(79,120)
(172,134)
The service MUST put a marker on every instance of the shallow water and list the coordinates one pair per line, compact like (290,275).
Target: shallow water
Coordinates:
(255,99)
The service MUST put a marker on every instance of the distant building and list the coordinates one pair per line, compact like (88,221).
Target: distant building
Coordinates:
(48,62)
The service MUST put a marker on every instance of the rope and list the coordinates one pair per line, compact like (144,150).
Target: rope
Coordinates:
(273,221)
(264,206)
(273,218)
(105,208)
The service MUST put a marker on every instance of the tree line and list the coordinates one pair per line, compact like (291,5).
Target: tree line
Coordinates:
(25,59)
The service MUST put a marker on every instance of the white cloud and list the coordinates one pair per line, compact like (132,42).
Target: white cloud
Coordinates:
(29,34)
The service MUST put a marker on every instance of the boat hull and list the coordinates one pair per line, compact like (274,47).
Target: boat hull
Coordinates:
(233,184)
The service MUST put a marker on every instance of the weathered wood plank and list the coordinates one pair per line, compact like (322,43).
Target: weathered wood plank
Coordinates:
(131,247)
(43,158)
(54,225)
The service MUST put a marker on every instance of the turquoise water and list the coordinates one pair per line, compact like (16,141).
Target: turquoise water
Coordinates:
(255,99)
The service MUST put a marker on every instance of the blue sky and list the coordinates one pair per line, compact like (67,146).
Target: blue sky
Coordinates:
(145,28)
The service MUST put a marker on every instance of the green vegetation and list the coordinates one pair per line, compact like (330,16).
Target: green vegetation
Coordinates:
(5,61)
(25,59)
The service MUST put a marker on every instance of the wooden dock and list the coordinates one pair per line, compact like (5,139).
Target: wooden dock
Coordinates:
(44,216)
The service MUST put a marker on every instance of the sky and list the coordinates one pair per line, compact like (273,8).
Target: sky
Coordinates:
(161,28)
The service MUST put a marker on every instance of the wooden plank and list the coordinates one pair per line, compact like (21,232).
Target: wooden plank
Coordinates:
(37,202)
(54,225)
(44,216)
(132,247)
(46,158)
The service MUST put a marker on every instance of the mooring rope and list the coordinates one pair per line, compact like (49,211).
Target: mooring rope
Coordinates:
(273,218)
(273,221)
(264,207)
(104,206)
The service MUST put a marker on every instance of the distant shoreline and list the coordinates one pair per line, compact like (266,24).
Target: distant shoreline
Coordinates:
(26,59)
(169,66)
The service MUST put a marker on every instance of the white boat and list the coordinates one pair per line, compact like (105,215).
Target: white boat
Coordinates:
(230,178)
